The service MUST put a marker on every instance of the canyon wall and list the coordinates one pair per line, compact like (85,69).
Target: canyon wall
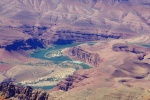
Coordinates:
(70,82)
(140,51)
(78,53)
(8,90)
(69,36)
(32,43)
(61,37)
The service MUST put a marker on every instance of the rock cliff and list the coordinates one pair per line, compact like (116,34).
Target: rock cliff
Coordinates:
(68,83)
(28,44)
(79,54)
(9,90)
(69,36)
(60,37)
(141,52)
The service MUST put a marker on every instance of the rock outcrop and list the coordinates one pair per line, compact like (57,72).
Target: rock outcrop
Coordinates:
(141,52)
(33,30)
(69,36)
(68,83)
(9,90)
(79,54)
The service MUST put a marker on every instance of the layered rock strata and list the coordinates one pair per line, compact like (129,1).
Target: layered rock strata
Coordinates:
(69,36)
(9,90)
(68,83)
(79,54)
(140,51)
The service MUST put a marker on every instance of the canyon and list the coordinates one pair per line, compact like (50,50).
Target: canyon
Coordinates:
(75,49)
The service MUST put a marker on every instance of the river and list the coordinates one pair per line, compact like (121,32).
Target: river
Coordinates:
(55,55)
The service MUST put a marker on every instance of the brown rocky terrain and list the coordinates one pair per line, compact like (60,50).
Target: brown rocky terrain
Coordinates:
(129,69)
(126,72)
(119,56)
(104,93)
(8,90)
(68,83)
(70,36)
(78,53)
(142,52)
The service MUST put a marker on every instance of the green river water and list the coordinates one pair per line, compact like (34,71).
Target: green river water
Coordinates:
(59,59)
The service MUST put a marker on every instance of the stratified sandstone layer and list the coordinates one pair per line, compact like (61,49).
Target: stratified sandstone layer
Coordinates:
(78,53)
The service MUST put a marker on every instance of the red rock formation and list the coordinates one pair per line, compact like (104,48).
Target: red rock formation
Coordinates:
(79,54)
(9,90)
(68,83)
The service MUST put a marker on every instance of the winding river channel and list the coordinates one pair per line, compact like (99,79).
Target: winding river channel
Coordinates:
(55,55)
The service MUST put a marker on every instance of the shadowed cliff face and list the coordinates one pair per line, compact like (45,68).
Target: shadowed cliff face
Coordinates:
(62,37)
(9,90)
(41,18)
(25,45)
(69,36)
